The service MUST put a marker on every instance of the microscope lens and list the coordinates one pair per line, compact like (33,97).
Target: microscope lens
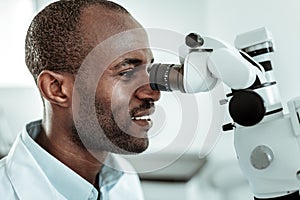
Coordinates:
(166,77)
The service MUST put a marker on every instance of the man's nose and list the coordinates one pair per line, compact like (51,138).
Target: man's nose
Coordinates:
(146,92)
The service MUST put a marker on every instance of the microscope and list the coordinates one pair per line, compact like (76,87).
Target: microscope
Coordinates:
(267,141)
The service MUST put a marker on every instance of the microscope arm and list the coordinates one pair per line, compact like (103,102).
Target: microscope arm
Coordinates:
(216,62)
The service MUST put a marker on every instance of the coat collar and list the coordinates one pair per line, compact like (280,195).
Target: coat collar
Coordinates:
(30,178)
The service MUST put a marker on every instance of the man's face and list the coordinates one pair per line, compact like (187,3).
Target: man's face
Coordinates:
(124,101)
(123,97)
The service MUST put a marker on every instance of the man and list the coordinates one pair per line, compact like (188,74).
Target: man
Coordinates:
(83,52)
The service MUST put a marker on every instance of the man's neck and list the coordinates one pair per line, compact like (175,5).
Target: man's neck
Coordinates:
(72,155)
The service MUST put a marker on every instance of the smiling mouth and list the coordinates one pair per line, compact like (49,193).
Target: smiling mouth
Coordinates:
(146,117)
(141,117)
(143,121)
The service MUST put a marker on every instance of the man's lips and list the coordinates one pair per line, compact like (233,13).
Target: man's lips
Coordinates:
(145,117)
(142,118)
(144,121)
(143,114)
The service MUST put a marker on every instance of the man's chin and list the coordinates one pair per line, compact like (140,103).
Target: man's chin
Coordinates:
(135,146)
(127,147)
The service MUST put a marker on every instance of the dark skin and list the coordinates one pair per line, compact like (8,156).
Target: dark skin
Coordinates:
(57,91)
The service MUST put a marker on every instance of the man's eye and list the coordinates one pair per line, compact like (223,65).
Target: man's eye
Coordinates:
(127,74)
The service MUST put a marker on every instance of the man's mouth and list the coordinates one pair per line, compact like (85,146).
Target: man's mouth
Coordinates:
(141,115)
(146,117)
(143,121)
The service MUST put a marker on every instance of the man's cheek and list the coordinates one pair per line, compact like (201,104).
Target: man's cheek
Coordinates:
(120,104)
(120,96)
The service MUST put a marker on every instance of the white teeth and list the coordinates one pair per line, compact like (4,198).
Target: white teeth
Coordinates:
(141,118)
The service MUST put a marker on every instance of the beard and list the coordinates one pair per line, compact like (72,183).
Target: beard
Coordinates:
(111,132)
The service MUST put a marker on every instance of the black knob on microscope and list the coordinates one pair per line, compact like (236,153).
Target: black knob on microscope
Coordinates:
(246,108)
(194,40)
(228,127)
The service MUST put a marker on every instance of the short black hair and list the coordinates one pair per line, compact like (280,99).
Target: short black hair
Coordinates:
(54,41)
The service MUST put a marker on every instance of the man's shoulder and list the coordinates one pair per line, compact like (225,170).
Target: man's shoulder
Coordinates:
(6,187)
(2,162)
(3,168)
(3,174)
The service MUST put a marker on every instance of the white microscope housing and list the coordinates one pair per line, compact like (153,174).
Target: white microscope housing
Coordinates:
(267,142)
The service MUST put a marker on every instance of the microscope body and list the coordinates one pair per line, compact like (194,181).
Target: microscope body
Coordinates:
(267,141)
(268,155)
(268,147)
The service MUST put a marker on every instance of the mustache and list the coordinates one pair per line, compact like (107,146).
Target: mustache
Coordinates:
(146,104)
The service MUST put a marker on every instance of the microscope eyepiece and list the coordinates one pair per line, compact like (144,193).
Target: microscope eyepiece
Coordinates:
(166,77)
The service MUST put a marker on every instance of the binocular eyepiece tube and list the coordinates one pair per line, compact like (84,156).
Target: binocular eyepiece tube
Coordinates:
(166,77)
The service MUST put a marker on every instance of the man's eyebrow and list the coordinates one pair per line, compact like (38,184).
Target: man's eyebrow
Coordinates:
(130,61)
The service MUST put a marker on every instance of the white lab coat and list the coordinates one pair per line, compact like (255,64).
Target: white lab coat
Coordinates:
(6,136)
(22,178)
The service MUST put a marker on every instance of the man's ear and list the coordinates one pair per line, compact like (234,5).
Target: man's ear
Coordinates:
(56,87)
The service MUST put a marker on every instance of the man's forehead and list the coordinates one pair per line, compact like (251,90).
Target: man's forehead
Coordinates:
(113,37)
(98,23)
